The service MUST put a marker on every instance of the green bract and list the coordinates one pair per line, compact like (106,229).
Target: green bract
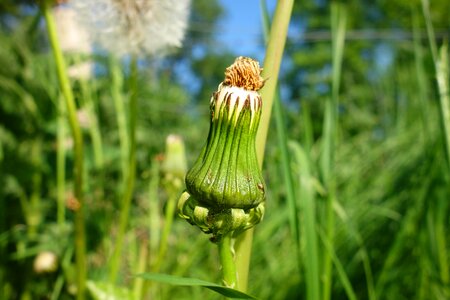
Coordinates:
(225,187)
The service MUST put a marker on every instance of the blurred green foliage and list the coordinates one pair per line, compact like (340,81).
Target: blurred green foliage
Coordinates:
(392,181)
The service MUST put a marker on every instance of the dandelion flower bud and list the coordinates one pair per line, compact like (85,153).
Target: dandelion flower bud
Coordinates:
(225,187)
(174,163)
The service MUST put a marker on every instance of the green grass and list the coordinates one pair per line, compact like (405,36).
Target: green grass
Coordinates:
(357,176)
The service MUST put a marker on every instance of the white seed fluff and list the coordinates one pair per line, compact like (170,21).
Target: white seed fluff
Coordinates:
(134,26)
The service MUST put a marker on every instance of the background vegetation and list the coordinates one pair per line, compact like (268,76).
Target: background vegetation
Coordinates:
(389,181)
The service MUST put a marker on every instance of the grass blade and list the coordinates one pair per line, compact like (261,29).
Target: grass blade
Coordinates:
(444,97)
(309,222)
(339,268)
(338,28)
(185,281)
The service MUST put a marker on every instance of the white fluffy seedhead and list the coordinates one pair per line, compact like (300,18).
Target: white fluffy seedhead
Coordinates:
(135,26)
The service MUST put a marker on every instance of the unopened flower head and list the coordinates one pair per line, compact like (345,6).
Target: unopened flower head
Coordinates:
(174,163)
(45,262)
(225,188)
(135,26)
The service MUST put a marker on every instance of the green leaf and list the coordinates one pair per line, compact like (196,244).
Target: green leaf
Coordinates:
(108,291)
(184,281)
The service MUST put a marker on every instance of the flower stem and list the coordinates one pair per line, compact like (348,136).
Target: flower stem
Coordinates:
(80,239)
(116,94)
(131,175)
(227,261)
(272,62)
(168,220)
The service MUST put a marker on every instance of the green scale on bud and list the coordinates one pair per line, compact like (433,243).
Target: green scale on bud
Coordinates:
(225,188)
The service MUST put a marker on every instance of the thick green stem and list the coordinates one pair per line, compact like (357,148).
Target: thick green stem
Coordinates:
(272,62)
(131,176)
(227,262)
(243,248)
(80,239)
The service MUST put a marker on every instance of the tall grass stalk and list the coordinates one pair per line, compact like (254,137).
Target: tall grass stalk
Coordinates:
(309,222)
(340,269)
(363,253)
(94,129)
(284,153)
(153,209)
(131,175)
(420,74)
(440,59)
(61,163)
(80,238)
(35,204)
(442,74)
(338,25)
(119,105)
(442,77)
(168,220)
(272,62)
(154,221)
(139,283)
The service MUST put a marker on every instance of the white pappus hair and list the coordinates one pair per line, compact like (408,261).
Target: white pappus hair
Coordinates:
(134,26)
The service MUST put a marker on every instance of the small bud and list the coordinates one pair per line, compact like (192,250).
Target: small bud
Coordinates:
(225,187)
(174,164)
(45,262)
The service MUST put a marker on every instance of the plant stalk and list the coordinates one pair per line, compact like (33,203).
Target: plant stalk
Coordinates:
(168,220)
(338,26)
(80,239)
(227,262)
(61,164)
(94,129)
(284,153)
(116,94)
(440,59)
(272,62)
(131,176)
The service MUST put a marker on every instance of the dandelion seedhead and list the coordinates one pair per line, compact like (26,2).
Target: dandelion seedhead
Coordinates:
(135,26)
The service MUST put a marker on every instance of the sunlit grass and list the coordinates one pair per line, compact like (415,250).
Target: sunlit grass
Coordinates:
(381,160)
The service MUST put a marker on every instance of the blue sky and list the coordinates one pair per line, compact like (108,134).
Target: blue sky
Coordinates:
(241,27)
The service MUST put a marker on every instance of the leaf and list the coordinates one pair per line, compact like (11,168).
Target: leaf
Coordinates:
(184,281)
(108,291)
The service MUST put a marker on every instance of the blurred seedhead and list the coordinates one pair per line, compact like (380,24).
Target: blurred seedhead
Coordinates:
(140,27)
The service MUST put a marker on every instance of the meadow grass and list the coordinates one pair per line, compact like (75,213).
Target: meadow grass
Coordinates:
(357,200)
